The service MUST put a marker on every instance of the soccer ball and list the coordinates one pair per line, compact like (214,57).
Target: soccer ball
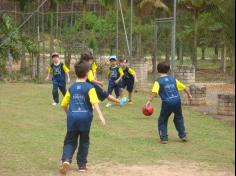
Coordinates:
(147,110)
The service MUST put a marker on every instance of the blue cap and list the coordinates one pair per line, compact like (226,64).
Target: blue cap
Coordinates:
(114,58)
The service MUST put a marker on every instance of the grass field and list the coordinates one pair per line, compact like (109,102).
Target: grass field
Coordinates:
(32,133)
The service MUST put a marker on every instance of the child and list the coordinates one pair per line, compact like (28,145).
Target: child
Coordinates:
(77,104)
(59,71)
(102,95)
(128,79)
(115,76)
(168,89)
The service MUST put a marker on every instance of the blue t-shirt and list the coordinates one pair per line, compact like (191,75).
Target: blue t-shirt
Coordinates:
(58,73)
(114,73)
(127,75)
(80,112)
(168,90)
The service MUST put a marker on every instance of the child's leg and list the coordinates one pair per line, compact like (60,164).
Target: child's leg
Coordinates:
(83,149)
(62,88)
(110,88)
(130,88)
(179,121)
(117,90)
(55,93)
(130,96)
(113,99)
(70,145)
(163,123)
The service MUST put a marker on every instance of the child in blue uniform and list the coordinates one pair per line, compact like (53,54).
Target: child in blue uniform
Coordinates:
(115,76)
(77,104)
(129,78)
(59,72)
(102,95)
(168,87)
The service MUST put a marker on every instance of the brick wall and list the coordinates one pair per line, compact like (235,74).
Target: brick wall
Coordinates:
(185,74)
(226,104)
(198,93)
(141,69)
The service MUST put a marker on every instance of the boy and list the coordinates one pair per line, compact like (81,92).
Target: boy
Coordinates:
(77,104)
(128,79)
(115,76)
(102,95)
(59,71)
(168,89)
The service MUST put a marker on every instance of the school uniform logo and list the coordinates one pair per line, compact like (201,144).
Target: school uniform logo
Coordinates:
(57,70)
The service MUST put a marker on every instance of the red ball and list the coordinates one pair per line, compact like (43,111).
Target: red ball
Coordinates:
(148,110)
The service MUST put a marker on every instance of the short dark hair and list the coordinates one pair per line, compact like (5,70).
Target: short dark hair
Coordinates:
(86,57)
(81,69)
(123,60)
(163,67)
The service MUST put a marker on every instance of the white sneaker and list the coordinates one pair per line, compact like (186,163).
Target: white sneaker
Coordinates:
(64,167)
(55,104)
(108,105)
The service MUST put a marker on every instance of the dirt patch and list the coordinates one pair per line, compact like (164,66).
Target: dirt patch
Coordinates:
(162,169)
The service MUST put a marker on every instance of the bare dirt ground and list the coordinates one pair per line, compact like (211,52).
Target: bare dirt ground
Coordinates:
(211,108)
(162,169)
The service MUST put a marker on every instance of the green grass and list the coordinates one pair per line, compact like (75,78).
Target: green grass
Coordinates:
(32,133)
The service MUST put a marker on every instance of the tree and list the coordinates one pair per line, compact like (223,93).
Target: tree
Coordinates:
(195,7)
(14,43)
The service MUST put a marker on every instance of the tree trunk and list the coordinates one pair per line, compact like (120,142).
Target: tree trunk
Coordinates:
(23,64)
(216,53)
(139,46)
(223,59)
(194,61)
(51,33)
(68,59)
(57,20)
(10,62)
(203,53)
(84,27)
(167,55)
(181,57)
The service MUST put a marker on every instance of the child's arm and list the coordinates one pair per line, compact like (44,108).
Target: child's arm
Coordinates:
(92,79)
(132,72)
(182,87)
(68,77)
(100,115)
(155,91)
(188,94)
(49,72)
(94,101)
(65,102)
(67,71)
(153,95)
(121,75)
(101,83)
(48,76)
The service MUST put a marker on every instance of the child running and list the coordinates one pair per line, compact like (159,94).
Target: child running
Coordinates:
(77,104)
(59,72)
(129,79)
(102,95)
(168,87)
(115,76)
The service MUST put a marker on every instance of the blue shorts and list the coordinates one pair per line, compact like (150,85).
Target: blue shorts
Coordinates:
(113,86)
(128,84)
